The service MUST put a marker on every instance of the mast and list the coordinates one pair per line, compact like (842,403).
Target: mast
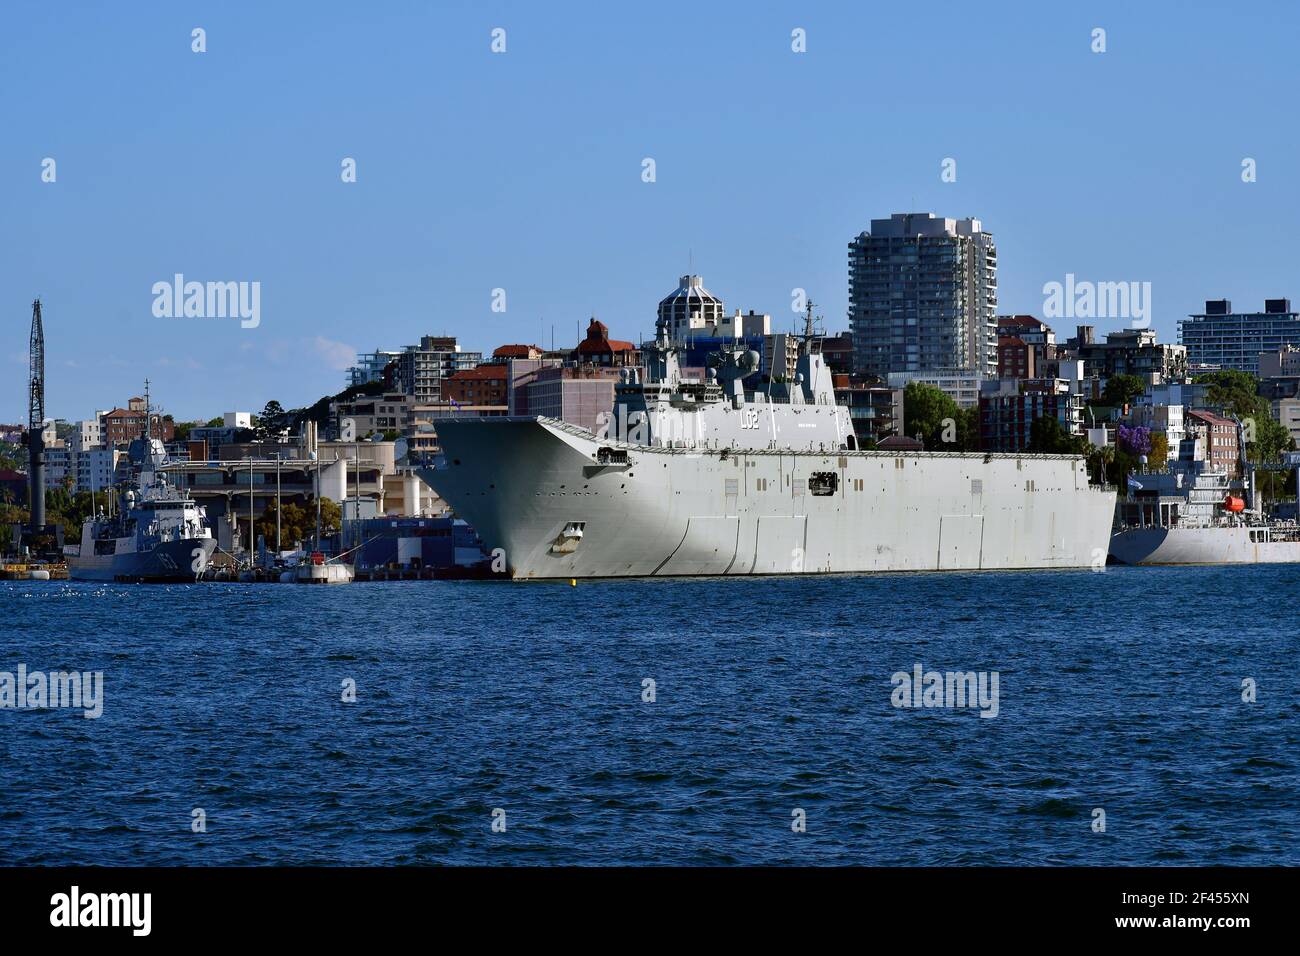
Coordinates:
(36,418)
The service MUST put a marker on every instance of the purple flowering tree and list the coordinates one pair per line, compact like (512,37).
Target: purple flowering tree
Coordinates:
(1135,440)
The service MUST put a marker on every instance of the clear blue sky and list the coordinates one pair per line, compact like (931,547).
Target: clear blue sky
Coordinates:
(523,170)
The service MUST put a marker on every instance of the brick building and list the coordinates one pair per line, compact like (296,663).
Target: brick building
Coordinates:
(484,385)
(599,349)
(123,425)
(1222,449)
(1016,358)
(1009,408)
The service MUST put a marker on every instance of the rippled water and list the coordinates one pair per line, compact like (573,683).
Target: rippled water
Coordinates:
(1120,691)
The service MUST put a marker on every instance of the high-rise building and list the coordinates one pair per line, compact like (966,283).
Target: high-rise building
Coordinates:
(923,296)
(1222,338)
(421,368)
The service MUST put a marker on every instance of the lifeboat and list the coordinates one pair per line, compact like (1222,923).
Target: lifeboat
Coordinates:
(1234,504)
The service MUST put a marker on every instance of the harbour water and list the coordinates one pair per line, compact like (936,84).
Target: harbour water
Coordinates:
(1120,691)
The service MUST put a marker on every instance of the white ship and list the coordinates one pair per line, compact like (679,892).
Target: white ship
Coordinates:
(1191,515)
(707,478)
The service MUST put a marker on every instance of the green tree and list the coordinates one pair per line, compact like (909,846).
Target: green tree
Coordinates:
(271,421)
(1230,389)
(1099,463)
(1122,390)
(931,416)
(298,521)
(1048,436)
(1159,455)
(1235,393)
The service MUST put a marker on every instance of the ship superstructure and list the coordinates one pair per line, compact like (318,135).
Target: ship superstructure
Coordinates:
(1192,514)
(709,477)
(157,533)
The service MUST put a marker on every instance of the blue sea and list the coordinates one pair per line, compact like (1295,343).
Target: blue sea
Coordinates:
(772,736)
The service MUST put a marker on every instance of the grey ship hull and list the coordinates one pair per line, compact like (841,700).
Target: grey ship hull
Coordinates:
(170,562)
(1223,545)
(527,484)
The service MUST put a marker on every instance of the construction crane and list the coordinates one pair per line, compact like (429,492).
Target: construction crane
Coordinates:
(36,421)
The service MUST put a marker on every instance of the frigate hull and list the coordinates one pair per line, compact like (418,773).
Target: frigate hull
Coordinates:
(167,562)
(551,500)
(1221,545)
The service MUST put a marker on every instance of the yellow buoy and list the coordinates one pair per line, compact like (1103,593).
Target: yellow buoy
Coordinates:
(573,582)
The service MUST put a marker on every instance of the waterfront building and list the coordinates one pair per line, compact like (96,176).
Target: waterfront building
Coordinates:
(876,410)
(60,464)
(121,426)
(923,296)
(376,366)
(1165,419)
(373,414)
(484,385)
(520,375)
(86,435)
(1223,338)
(780,356)
(1009,408)
(1280,363)
(235,426)
(1032,331)
(1279,379)
(95,468)
(413,544)
(1163,408)
(420,369)
(962,387)
(504,353)
(363,475)
(1219,435)
(1190,394)
(582,395)
(599,349)
(1016,358)
(1127,352)
(837,353)
(1287,412)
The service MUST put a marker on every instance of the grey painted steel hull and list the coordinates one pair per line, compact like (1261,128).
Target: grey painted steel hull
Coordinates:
(522,482)
(1199,546)
(172,561)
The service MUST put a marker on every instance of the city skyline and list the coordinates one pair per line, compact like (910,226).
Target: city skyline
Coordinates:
(225,166)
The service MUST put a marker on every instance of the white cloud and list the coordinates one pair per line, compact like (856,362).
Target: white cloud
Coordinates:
(336,355)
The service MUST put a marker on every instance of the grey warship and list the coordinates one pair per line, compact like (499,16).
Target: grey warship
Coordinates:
(710,478)
(158,534)
(1191,514)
